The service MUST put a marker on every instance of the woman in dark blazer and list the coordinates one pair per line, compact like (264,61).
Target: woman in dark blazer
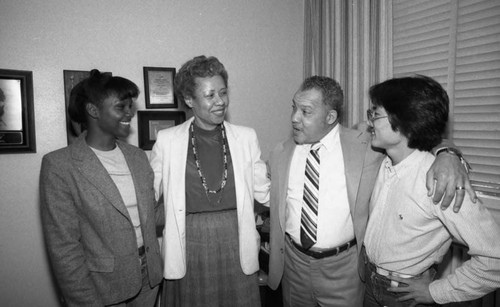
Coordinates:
(97,203)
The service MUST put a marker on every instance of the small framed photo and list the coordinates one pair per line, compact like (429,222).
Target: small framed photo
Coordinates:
(151,122)
(159,87)
(17,117)
(72,78)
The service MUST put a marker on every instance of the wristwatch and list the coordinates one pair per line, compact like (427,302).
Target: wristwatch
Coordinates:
(457,153)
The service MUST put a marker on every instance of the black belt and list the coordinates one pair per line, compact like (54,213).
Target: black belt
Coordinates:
(325,253)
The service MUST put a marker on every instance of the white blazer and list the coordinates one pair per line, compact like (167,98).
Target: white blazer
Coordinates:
(168,160)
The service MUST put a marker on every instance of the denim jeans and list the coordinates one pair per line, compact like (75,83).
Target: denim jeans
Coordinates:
(376,294)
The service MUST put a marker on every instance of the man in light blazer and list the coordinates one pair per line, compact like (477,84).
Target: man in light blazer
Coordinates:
(89,233)
(168,160)
(325,274)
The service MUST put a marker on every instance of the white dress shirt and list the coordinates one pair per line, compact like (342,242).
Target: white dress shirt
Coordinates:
(335,225)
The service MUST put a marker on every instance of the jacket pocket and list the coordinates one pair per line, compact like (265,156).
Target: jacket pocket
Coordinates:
(101,264)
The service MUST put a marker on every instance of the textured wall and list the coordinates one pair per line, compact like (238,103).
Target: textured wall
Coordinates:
(260,43)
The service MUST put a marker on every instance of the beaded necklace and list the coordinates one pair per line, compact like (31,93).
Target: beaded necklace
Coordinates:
(198,164)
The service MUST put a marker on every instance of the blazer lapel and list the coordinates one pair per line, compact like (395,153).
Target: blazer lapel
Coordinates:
(284,172)
(139,175)
(92,169)
(177,168)
(353,150)
(237,156)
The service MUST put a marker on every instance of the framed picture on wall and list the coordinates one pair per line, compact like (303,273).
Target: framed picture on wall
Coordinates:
(159,87)
(151,122)
(72,78)
(17,117)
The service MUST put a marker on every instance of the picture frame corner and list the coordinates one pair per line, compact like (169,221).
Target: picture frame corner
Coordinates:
(150,122)
(17,122)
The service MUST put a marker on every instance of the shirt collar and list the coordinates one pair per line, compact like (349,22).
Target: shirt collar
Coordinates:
(331,139)
(408,163)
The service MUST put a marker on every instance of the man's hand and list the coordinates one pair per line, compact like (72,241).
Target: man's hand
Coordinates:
(417,289)
(447,178)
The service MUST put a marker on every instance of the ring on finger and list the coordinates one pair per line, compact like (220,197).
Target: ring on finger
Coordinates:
(459,188)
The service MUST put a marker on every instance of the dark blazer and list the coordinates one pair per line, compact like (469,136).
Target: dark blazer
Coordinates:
(361,168)
(89,235)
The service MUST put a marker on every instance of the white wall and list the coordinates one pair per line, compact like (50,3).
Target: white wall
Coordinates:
(259,41)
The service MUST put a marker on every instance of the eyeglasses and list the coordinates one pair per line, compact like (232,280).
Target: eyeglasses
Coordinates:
(371,117)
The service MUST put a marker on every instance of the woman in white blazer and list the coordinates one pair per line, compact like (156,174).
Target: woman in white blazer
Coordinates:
(209,172)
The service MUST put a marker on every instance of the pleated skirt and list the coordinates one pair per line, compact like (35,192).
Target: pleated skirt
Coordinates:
(214,276)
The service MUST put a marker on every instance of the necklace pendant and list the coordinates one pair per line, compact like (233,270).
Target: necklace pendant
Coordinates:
(198,164)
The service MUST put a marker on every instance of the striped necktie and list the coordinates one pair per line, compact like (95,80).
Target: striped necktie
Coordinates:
(309,217)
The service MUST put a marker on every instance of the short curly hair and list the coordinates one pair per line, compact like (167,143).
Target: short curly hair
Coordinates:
(332,93)
(198,67)
(95,89)
(416,106)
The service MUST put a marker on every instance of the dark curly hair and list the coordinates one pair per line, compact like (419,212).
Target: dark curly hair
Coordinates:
(417,106)
(198,67)
(332,93)
(95,89)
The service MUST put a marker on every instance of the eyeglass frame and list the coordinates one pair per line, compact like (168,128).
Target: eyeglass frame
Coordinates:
(371,118)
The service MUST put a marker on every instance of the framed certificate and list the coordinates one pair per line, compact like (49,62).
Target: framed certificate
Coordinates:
(151,122)
(17,118)
(159,87)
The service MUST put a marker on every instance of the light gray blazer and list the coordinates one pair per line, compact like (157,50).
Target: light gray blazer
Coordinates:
(361,168)
(89,234)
